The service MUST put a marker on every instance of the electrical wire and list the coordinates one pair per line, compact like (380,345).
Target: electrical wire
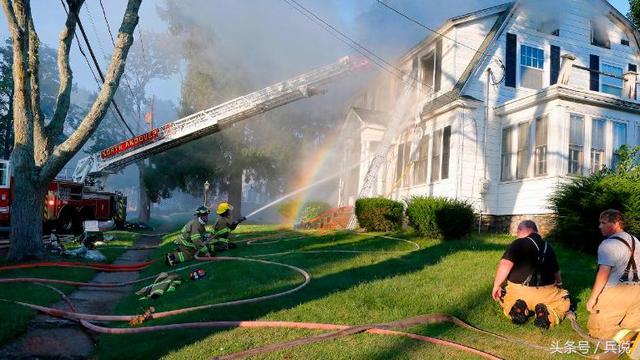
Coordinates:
(97,65)
(341,36)
(113,42)
(95,77)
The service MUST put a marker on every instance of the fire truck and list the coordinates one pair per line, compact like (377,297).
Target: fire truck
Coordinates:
(68,203)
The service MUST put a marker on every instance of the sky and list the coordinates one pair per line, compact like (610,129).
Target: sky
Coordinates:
(263,33)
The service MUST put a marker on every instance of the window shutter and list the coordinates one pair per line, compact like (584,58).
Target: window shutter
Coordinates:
(594,77)
(555,64)
(511,60)
(438,70)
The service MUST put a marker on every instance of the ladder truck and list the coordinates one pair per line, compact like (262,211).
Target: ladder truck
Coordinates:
(68,203)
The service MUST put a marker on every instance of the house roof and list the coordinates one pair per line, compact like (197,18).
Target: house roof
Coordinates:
(372,116)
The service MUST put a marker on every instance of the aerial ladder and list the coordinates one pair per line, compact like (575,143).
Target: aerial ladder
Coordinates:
(93,170)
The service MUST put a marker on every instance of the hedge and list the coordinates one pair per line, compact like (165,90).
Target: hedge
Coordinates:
(440,217)
(578,203)
(379,214)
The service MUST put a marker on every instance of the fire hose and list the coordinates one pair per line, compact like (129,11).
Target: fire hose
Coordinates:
(339,330)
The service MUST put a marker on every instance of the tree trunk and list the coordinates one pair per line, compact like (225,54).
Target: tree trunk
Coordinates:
(144,204)
(235,192)
(26,219)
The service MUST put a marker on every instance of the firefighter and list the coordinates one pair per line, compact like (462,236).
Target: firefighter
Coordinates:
(224,226)
(193,241)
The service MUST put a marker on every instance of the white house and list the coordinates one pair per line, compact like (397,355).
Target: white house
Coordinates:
(512,100)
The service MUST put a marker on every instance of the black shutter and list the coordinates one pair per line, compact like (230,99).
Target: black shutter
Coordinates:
(555,64)
(438,70)
(594,76)
(633,67)
(511,60)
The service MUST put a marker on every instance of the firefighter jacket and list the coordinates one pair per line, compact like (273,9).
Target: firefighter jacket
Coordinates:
(223,227)
(193,236)
(164,283)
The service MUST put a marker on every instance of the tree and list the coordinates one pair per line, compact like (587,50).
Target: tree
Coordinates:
(634,12)
(37,156)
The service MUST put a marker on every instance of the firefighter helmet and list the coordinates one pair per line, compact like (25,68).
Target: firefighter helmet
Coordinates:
(197,274)
(202,210)
(222,207)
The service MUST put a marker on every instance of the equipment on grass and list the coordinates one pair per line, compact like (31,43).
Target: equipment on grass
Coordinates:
(198,274)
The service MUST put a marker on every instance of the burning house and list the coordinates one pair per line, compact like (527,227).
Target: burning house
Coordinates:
(505,103)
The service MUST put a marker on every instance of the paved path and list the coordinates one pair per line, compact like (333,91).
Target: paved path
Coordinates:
(52,338)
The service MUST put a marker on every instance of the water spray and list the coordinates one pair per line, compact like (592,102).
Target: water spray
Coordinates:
(302,189)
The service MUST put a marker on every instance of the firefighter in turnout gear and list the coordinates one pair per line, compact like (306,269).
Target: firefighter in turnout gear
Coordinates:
(224,226)
(193,241)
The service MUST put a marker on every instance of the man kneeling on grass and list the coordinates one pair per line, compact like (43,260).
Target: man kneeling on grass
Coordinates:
(534,283)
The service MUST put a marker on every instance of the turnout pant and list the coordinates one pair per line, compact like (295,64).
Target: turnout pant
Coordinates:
(617,309)
(555,298)
(186,253)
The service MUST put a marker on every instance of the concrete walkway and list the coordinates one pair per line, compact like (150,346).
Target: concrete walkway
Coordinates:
(52,338)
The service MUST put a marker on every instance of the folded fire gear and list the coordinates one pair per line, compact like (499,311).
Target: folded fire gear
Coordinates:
(164,283)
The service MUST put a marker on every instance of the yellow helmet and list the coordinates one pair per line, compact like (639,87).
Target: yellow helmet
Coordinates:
(222,207)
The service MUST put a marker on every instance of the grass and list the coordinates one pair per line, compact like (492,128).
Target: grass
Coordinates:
(15,319)
(453,277)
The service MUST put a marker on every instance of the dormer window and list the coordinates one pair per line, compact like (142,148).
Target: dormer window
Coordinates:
(531,67)
(428,70)
(600,34)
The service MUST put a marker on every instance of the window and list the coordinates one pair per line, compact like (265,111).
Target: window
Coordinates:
(420,166)
(505,167)
(576,144)
(428,71)
(540,162)
(611,84)
(522,156)
(549,27)
(624,42)
(599,34)
(597,145)
(446,141)
(4,174)
(531,67)
(619,139)
(436,155)
(406,177)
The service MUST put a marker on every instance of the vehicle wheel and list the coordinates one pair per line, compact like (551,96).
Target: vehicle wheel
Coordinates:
(69,223)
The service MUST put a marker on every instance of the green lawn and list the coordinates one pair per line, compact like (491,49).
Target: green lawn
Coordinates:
(14,319)
(454,277)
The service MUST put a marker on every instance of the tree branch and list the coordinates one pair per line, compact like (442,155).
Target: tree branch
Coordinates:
(63,152)
(55,127)
(17,13)
(39,140)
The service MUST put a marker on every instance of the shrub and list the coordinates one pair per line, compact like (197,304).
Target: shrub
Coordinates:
(311,209)
(440,217)
(578,203)
(379,214)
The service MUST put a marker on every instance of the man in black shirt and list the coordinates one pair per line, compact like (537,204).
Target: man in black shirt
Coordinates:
(534,284)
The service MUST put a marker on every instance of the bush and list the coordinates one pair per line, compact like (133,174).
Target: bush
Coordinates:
(578,203)
(311,209)
(379,214)
(440,217)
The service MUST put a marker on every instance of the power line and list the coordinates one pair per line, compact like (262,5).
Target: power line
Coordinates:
(379,61)
(86,59)
(415,21)
(104,14)
(97,65)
